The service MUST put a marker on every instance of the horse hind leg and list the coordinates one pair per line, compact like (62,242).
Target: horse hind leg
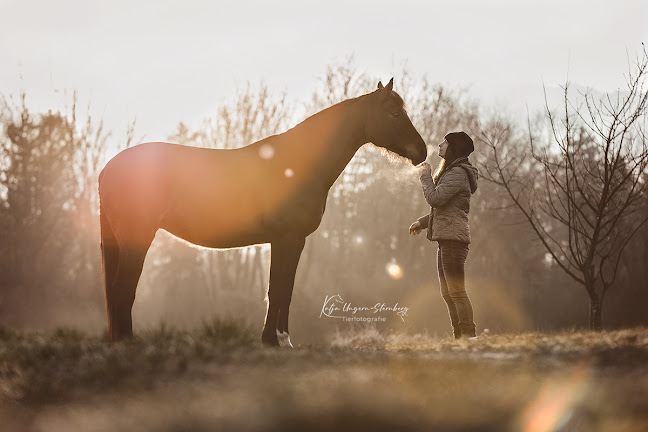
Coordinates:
(121,294)
(285,256)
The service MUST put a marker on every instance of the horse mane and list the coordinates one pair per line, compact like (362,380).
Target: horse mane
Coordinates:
(335,107)
(322,115)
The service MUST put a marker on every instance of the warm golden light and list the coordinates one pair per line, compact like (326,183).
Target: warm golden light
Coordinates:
(394,270)
(289,173)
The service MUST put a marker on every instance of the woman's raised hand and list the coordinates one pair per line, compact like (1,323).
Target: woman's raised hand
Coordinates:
(415,228)
(424,168)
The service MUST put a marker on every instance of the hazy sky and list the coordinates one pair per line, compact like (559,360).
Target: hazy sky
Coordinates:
(166,62)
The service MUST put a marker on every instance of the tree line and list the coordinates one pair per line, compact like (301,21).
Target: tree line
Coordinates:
(558,221)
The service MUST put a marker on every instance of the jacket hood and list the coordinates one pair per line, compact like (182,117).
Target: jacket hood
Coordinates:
(471,172)
(473,175)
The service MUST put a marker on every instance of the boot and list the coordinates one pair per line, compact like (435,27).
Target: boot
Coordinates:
(456,330)
(468,330)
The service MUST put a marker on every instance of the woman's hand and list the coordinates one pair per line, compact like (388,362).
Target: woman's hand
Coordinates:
(415,228)
(425,168)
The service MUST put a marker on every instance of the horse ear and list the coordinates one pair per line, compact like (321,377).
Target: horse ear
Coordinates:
(380,86)
(390,85)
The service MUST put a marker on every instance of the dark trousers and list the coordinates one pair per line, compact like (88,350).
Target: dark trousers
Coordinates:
(451,261)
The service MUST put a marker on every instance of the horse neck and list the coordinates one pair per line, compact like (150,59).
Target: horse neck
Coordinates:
(337,133)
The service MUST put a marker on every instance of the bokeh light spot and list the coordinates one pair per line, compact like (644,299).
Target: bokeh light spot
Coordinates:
(394,270)
(266,151)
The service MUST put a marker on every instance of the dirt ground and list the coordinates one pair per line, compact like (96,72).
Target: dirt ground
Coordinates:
(221,378)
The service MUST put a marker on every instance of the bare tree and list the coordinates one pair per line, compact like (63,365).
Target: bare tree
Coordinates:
(582,191)
(48,207)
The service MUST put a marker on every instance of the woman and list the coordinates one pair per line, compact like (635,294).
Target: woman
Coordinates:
(448,193)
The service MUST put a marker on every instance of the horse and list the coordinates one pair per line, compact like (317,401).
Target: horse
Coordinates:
(271,191)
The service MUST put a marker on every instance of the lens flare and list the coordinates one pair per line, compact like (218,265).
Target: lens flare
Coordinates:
(555,402)
(394,270)
(289,173)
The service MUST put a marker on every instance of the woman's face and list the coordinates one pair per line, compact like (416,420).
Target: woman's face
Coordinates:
(442,148)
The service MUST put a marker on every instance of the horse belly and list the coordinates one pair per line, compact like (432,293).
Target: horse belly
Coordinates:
(216,223)
(216,238)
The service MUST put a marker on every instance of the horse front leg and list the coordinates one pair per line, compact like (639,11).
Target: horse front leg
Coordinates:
(284,257)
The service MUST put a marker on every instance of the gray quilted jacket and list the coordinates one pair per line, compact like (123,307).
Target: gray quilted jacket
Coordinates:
(449,200)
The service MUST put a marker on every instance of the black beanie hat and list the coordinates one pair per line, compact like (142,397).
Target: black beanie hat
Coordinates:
(462,144)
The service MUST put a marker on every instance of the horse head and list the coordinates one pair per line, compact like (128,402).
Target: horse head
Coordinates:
(389,126)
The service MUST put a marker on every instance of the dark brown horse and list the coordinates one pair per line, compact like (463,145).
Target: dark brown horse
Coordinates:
(272,191)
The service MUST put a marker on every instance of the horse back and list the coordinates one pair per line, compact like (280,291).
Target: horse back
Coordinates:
(211,197)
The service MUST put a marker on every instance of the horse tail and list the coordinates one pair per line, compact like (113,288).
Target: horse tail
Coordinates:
(109,252)
(108,242)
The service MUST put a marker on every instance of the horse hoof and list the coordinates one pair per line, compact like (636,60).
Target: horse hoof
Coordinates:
(284,339)
(269,340)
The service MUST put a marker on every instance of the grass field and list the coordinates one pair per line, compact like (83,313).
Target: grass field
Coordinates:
(221,378)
